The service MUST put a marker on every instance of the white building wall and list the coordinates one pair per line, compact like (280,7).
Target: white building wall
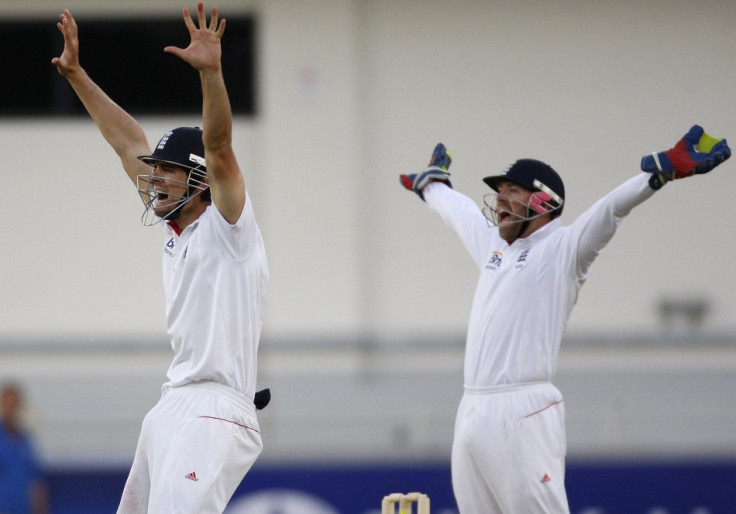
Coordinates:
(351,94)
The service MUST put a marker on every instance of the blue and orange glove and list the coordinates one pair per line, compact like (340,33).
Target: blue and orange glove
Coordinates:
(694,154)
(435,172)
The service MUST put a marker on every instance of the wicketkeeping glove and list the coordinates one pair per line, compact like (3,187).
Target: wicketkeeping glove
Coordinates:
(435,172)
(696,153)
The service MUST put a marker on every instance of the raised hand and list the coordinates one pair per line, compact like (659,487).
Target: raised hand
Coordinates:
(68,61)
(436,171)
(204,51)
(694,154)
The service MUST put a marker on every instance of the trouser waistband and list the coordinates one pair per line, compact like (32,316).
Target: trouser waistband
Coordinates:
(509,388)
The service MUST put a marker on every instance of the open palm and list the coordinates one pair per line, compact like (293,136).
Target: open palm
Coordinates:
(204,51)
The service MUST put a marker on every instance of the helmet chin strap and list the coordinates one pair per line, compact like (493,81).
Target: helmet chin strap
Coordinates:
(522,229)
(523,225)
(176,211)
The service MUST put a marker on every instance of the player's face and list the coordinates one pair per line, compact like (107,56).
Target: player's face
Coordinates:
(169,187)
(10,403)
(511,209)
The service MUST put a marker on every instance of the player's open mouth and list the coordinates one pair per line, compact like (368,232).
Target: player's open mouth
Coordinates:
(504,216)
(160,200)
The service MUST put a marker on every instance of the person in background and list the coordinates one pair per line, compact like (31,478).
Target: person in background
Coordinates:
(23,488)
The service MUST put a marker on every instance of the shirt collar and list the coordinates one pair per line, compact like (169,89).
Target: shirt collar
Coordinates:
(543,231)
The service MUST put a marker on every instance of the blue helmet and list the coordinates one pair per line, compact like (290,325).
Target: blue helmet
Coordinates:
(181,146)
(533,175)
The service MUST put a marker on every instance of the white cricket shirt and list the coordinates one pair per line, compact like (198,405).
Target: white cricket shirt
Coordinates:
(215,284)
(527,290)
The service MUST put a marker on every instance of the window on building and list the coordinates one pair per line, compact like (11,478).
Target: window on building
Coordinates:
(126,58)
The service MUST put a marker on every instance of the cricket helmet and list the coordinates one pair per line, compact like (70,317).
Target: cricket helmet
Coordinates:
(182,147)
(535,176)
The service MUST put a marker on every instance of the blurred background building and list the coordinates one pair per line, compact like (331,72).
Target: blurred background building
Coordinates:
(363,340)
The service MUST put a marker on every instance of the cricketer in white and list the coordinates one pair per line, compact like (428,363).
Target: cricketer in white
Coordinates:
(199,441)
(522,301)
(509,447)
(508,454)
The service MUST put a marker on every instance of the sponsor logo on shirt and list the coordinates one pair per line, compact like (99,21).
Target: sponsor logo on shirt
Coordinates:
(494,262)
(169,248)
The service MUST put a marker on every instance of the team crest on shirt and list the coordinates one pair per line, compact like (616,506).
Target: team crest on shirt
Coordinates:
(521,260)
(495,261)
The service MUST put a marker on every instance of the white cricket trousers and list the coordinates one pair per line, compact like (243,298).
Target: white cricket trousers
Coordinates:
(195,447)
(508,454)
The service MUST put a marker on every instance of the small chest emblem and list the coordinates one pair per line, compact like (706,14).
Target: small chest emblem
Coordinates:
(169,248)
(521,260)
(494,262)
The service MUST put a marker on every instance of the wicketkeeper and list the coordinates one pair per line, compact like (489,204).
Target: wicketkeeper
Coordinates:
(508,454)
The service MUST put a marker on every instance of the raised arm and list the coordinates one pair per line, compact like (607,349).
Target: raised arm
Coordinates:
(204,54)
(117,126)
(695,153)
